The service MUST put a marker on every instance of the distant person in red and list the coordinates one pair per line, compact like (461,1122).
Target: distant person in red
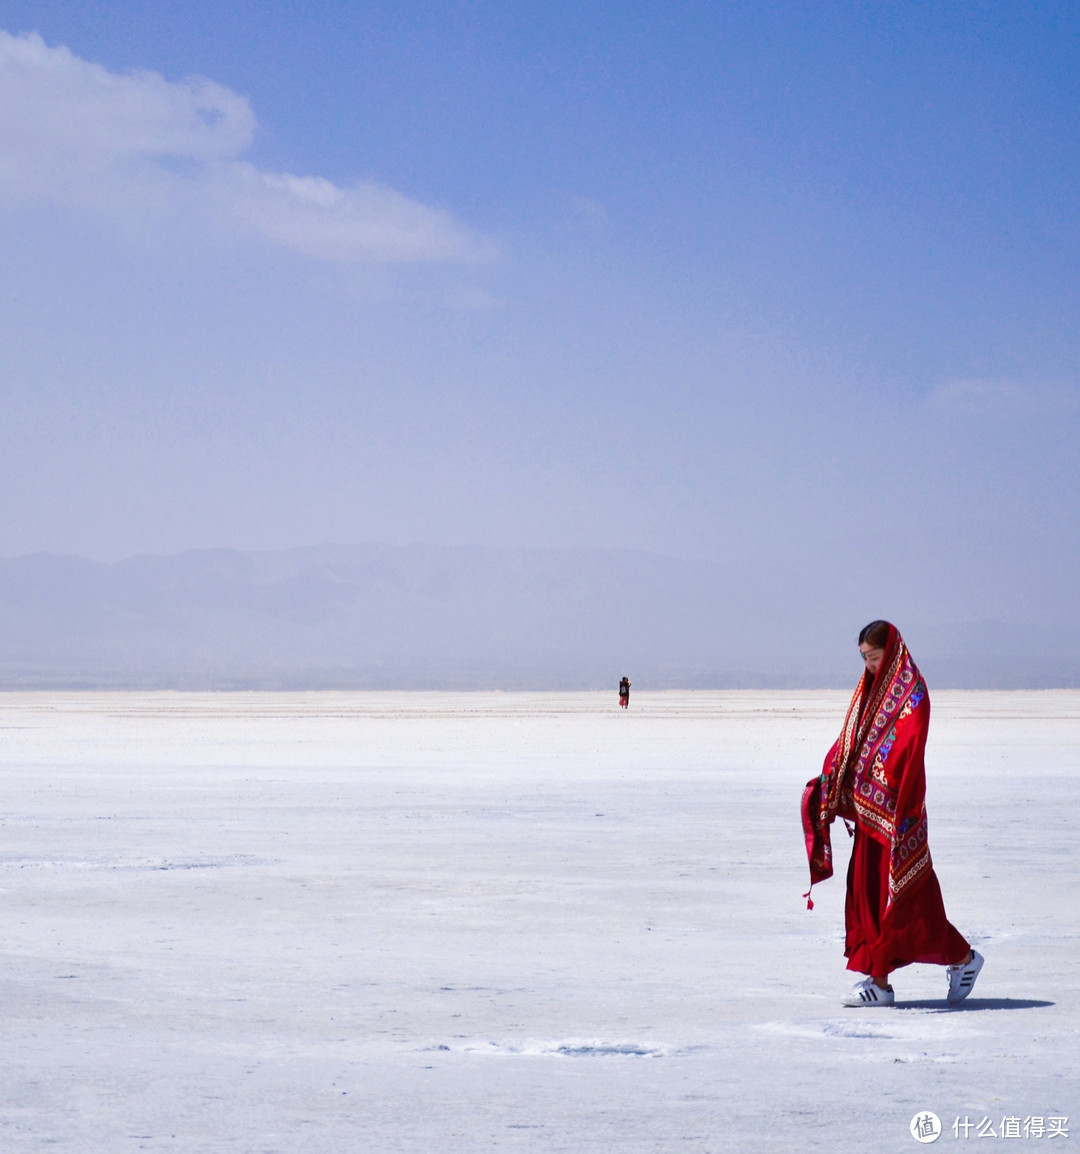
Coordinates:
(875,778)
(624,692)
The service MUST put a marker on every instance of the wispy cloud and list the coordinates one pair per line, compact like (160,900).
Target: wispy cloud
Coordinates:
(1001,397)
(73,132)
(585,212)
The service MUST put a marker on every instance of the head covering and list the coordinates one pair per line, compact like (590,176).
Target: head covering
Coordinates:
(875,773)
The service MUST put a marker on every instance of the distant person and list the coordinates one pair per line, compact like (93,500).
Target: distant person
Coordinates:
(874,777)
(624,692)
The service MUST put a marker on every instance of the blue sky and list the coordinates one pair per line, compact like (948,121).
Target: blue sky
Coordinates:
(794,284)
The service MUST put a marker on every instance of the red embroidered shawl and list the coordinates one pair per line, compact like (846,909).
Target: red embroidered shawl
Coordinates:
(875,774)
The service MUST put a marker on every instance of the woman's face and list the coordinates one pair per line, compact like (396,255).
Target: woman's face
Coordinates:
(872,656)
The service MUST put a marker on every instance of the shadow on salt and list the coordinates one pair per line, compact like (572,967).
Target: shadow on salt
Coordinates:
(970,1005)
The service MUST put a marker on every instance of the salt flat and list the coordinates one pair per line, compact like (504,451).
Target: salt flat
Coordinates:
(464,922)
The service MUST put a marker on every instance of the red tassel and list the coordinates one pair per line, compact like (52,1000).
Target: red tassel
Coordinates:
(809,899)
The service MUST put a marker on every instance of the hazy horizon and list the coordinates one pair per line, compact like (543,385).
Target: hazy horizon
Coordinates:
(435,617)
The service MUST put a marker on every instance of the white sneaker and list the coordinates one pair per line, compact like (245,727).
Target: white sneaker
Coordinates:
(962,978)
(869,993)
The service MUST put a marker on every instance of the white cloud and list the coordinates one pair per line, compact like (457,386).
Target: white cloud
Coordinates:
(315,216)
(73,132)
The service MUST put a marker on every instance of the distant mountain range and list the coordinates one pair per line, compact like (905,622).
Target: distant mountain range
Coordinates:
(377,616)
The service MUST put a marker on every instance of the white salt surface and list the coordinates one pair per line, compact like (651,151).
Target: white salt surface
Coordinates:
(310,923)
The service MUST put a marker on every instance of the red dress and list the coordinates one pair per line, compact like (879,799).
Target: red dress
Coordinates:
(874,776)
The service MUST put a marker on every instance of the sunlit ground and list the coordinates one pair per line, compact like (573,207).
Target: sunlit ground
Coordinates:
(336,922)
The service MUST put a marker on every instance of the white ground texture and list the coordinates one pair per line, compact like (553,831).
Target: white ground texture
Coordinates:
(333,922)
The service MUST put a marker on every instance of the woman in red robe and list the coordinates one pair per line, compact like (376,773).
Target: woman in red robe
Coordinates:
(875,779)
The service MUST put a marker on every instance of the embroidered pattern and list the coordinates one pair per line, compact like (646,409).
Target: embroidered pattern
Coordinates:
(884,722)
(909,857)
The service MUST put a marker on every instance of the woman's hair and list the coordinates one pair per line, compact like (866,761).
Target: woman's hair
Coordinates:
(876,634)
